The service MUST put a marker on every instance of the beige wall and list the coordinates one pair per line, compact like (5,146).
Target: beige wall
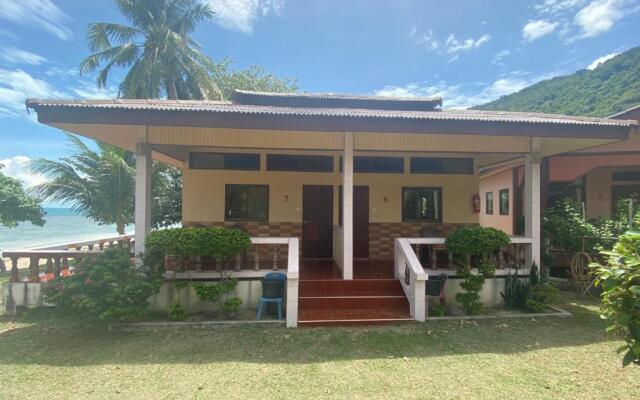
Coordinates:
(204,191)
(598,191)
(496,182)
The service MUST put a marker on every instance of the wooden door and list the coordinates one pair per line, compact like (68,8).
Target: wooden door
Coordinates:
(317,221)
(360,220)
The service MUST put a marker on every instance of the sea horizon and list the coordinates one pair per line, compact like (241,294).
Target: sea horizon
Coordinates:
(63,225)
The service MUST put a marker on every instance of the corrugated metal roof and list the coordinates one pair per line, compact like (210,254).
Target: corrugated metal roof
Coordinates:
(232,108)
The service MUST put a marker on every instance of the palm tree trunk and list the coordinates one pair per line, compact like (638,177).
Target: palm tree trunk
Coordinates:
(172,91)
(120,226)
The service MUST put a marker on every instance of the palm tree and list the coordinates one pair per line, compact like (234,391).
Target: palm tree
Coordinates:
(98,185)
(161,56)
(101,185)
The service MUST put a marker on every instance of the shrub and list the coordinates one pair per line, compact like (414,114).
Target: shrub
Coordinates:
(106,287)
(177,312)
(471,248)
(620,281)
(188,243)
(213,292)
(529,294)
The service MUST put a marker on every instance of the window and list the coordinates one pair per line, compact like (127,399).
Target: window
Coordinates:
(246,203)
(289,162)
(504,202)
(381,165)
(433,165)
(488,204)
(237,161)
(626,176)
(421,204)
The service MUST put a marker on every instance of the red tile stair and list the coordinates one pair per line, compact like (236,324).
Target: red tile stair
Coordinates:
(323,302)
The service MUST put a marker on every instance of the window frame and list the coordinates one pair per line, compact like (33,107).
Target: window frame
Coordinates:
(503,211)
(467,160)
(316,156)
(227,189)
(487,210)
(224,161)
(438,215)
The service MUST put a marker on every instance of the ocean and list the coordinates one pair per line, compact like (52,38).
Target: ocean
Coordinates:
(62,225)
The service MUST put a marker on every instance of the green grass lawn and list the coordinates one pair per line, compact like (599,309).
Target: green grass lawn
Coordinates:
(572,358)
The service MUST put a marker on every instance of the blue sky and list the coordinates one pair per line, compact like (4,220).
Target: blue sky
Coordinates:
(468,52)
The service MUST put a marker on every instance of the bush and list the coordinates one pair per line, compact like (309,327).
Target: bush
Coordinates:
(213,292)
(529,294)
(620,281)
(189,243)
(177,312)
(471,248)
(106,287)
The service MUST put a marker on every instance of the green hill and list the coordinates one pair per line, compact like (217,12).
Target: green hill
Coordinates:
(611,88)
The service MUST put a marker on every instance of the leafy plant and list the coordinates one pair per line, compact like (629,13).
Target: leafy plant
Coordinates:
(107,287)
(439,310)
(188,243)
(213,292)
(529,294)
(177,312)
(15,205)
(620,281)
(472,248)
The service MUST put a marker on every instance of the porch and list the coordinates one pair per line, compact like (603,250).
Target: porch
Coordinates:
(335,177)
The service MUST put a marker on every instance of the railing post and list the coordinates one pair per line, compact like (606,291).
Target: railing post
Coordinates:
(256,255)
(293,276)
(56,267)
(275,257)
(34,269)
(15,277)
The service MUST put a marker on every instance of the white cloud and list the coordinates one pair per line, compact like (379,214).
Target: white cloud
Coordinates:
(499,56)
(453,45)
(601,60)
(241,15)
(16,86)
(557,6)
(535,29)
(62,72)
(599,16)
(41,14)
(465,95)
(15,167)
(19,56)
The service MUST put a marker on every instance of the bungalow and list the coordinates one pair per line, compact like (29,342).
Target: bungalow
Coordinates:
(358,186)
(598,177)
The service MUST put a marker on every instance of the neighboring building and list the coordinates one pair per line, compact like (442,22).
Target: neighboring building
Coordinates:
(596,176)
(345,174)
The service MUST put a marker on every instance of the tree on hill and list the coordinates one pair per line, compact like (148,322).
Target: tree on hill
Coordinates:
(612,87)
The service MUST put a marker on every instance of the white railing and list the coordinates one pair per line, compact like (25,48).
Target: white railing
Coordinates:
(292,270)
(413,276)
(409,271)
(267,254)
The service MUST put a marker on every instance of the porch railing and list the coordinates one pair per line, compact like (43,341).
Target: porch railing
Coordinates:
(413,275)
(57,256)
(267,254)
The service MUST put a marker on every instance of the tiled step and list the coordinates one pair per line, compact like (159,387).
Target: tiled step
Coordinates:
(355,287)
(348,317)
(352,302)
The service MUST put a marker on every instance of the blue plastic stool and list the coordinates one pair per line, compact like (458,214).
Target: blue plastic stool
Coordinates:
(272,291)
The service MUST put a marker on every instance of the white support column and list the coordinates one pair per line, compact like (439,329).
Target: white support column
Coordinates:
(532,201)
(347,206)
(143,195)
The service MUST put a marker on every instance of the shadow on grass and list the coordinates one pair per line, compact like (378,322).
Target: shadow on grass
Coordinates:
(43,339)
